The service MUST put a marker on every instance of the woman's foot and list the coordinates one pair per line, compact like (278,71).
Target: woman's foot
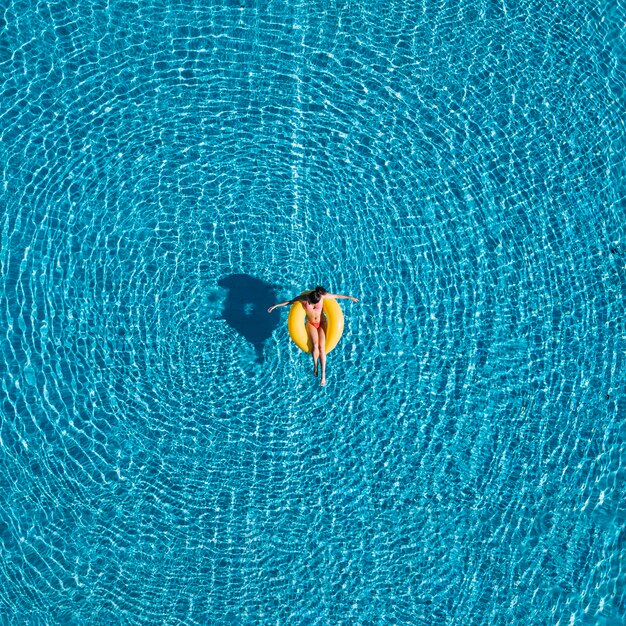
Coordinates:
(323,382)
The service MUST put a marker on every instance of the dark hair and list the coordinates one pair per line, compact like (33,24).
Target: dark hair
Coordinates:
(316,295)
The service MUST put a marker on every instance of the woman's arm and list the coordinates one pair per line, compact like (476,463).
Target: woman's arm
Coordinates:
(275,306)
(338,296)
(299,298)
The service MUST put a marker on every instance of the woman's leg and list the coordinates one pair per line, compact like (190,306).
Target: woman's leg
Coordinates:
(322,350)
(314,334)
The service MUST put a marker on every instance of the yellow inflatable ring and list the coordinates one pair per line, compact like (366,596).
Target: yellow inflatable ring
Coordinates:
(297,328)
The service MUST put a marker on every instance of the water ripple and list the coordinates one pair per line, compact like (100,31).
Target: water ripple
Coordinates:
(168,457)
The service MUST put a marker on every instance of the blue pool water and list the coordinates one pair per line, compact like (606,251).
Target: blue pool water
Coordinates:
(171,169)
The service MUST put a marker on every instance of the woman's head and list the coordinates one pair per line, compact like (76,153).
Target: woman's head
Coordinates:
(316,295)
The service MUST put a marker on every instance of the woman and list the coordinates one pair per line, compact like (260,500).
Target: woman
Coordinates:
(316,324)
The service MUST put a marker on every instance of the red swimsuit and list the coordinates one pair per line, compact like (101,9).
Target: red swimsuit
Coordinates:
(310,309)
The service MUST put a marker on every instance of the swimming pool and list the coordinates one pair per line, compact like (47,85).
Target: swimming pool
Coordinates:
(170,170)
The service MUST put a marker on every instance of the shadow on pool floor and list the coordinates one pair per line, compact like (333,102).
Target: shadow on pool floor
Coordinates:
(245,309)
